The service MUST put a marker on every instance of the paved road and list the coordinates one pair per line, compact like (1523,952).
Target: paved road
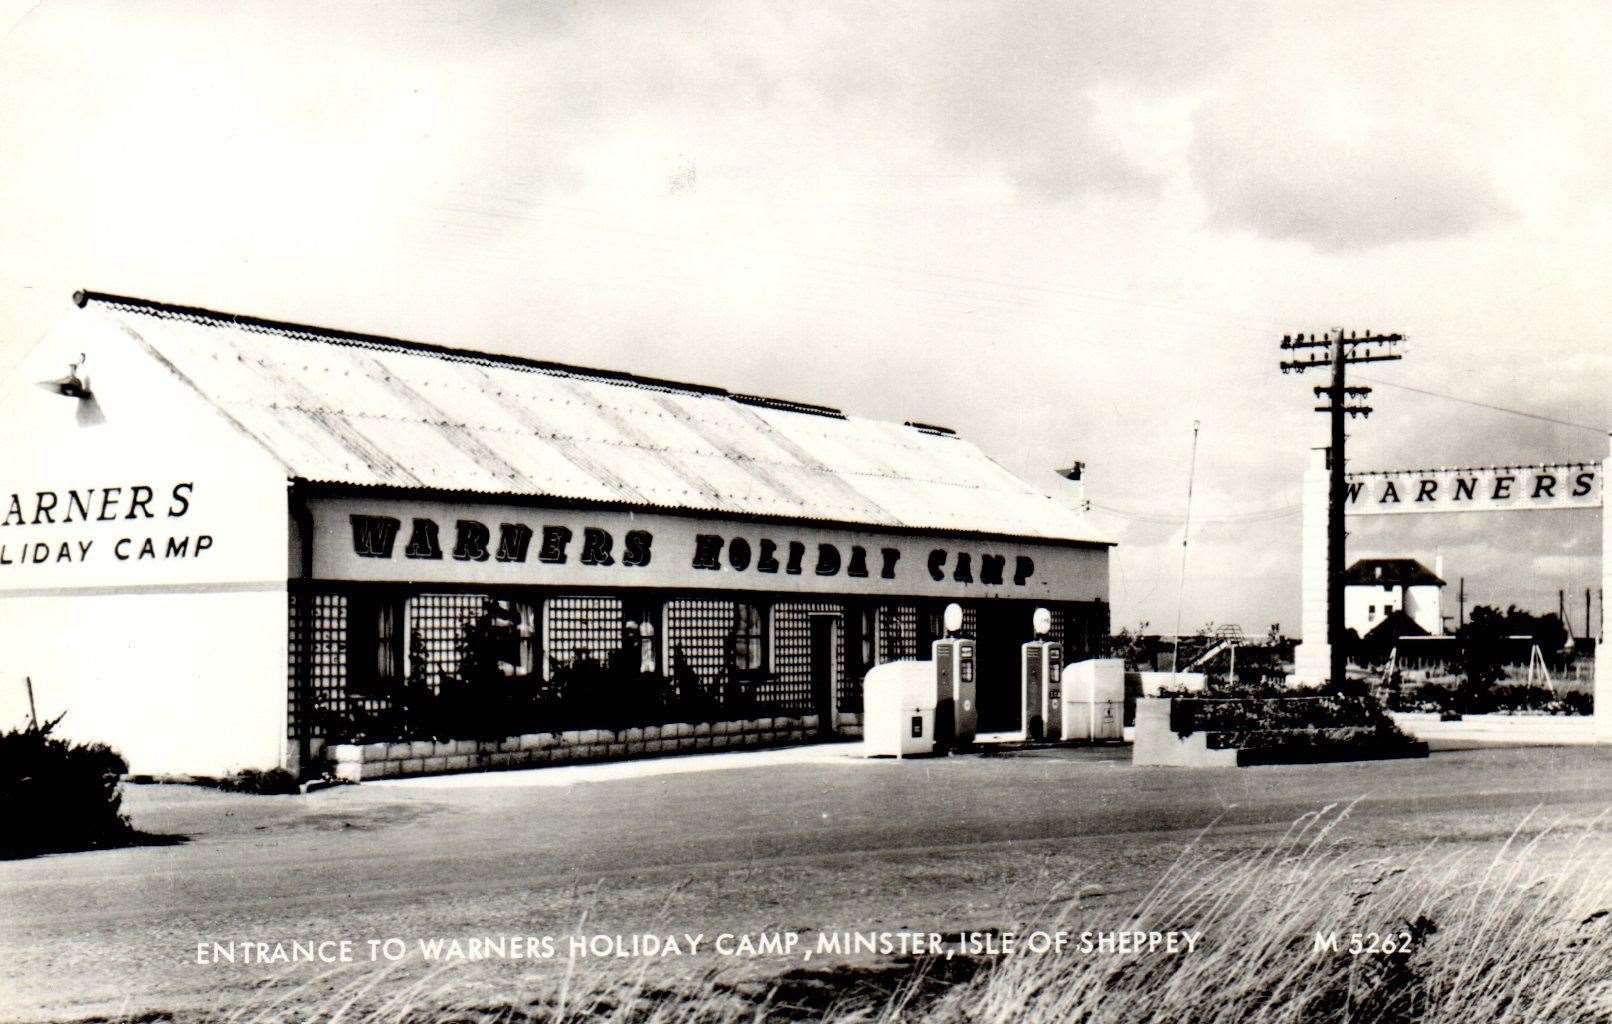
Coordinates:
(815,839)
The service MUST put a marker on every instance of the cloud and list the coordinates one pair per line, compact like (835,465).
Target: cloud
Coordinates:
(1380,125)
(1287,175)
(928,96)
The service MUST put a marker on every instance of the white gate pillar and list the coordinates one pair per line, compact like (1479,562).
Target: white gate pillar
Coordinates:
(1312,660)
(1603,655)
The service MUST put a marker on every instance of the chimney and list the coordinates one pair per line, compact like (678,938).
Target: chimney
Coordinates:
(1077,485)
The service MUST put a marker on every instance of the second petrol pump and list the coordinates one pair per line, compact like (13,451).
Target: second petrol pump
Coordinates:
(956,709)
(1040,671)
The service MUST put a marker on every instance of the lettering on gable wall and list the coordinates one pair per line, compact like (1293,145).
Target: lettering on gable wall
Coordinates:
(129,523)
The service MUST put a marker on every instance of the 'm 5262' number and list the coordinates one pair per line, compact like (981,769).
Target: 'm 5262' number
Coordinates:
(1362,943)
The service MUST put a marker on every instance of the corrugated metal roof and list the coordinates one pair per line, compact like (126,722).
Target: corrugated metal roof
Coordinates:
(361,410)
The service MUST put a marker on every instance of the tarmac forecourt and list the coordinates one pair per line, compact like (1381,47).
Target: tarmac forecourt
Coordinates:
(812,842)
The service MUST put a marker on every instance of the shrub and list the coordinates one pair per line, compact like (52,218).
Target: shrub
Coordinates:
(1510,699)
(274,782)
(1294,746)
(57,796)
(1294,729)
(1247,715)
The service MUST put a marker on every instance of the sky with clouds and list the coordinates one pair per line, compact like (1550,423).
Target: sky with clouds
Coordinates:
(1068,230)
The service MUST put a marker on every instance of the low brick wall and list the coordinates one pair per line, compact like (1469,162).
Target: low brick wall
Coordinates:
(358,762)
(1156,743)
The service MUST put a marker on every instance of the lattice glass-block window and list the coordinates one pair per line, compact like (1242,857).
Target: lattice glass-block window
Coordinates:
(898,632)
(792,652)
(581,628)
(1056,633)
(435,623)
(700,638)
(322,619)
(1083,630)
(970,627)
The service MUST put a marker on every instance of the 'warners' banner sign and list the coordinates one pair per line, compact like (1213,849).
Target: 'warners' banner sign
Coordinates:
(416,541)
(1488,489)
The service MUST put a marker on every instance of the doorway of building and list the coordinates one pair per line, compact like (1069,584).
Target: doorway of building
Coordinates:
(823,669)
(1002,632)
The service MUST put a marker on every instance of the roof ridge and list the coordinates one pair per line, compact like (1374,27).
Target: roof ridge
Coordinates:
(359,339)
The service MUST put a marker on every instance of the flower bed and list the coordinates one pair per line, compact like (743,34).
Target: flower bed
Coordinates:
(1298,746)
(1210,732)
(1209,714)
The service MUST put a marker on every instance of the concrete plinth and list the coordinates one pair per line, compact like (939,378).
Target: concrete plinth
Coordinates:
(1312,660)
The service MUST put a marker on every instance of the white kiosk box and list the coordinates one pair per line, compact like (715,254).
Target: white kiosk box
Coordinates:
(898,709)
(1094,700)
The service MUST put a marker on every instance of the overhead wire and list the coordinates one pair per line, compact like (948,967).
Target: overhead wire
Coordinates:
(947,301)
(1250,516)
(1485,405)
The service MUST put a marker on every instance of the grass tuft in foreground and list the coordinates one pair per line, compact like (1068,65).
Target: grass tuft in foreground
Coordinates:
(1520,931)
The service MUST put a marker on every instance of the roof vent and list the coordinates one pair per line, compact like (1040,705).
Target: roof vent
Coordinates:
(785,405)
(930,428)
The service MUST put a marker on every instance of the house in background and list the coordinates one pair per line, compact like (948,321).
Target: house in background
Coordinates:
(1375,588)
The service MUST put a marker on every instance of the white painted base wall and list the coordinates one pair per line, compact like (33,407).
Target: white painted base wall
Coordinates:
(1603,654)
(1312,661)
(178,683)
(359,762)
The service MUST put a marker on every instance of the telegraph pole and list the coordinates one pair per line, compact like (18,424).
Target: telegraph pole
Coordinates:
(1339,353)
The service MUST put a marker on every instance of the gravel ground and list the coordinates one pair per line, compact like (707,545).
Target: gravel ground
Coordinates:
(813,839)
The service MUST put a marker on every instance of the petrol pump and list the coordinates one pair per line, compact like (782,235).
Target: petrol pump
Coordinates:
(956,715)
(1040,667)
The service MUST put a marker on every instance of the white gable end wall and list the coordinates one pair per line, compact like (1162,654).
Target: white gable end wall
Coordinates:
(142,562)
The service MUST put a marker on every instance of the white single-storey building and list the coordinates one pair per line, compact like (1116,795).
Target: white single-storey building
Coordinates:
(1374,588)
(229,542)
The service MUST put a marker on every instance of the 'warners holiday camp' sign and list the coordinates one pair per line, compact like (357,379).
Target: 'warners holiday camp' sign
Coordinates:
(362,539)
(1488,489)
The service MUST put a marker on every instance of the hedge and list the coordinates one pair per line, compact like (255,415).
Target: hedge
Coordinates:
(57,796)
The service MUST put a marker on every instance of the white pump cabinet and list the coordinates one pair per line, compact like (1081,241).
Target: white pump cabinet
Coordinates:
(1094,700)
(898,709)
